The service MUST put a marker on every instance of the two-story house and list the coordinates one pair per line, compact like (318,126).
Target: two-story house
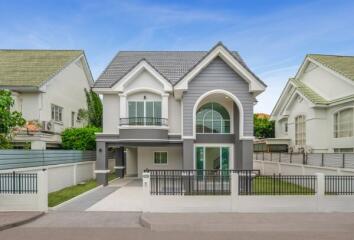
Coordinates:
(315,112)
(177,110)
(48,89)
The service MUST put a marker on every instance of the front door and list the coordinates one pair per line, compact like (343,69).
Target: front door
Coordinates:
(212,158)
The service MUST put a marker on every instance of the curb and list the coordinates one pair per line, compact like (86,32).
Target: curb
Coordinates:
(144,223)
(21,222)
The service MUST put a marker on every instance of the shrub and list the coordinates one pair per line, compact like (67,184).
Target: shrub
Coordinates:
(80,138)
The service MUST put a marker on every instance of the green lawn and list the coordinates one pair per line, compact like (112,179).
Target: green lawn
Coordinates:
(67,193)
(263,185)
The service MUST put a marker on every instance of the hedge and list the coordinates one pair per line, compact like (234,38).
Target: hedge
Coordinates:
(79,138)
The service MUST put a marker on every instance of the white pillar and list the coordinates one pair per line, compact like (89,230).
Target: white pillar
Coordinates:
(42,190)
(234,191)
(320,184)
(164,105)
(146,191)
(75,174)
(123,106)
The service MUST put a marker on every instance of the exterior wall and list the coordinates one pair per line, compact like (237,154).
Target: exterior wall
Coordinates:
(217,75)
(144,80)
(131,161)
(323,82)
(29,104)
(146,158)
(174,116)
(65,90)
(110,113)
(279,128)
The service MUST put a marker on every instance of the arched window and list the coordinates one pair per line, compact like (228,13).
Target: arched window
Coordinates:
(300,130)
(344,123)
(213,118)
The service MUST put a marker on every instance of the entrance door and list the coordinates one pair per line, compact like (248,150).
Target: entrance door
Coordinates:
(212,158)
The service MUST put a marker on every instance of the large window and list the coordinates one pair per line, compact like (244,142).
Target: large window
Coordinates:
(144,112)
(212,118)
(300,130)
(343,123)
(57,113)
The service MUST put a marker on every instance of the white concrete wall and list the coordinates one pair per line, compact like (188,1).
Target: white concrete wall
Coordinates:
(144,80)
(326,84)
(65,90)
(146,158)
(111,113)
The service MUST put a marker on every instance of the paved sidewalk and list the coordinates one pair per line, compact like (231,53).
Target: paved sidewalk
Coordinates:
(13,219)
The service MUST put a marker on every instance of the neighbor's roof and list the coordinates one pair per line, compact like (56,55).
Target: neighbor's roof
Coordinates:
(308,92)
(173,65)
(343,65)
(32,68)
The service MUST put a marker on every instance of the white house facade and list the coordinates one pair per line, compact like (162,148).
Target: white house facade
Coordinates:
(315,111)
(177,110)
(48,89)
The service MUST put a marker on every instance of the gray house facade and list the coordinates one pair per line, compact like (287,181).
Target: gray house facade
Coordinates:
(176,110)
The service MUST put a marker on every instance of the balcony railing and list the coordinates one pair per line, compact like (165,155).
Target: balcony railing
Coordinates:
(143,121)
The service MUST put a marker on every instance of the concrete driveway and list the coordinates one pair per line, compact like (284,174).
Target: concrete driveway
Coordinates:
(127,198)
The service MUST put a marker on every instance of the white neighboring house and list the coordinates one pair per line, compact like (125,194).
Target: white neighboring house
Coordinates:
(315,111)
(48,88)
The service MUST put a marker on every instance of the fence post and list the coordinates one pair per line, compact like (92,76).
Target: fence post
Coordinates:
(343,161)
(42,190)
(320,184)
(234,190)
(146,191)
(263,155)
(322,160)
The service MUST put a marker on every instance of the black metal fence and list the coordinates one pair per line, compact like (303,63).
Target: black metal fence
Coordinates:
(337,160)
(279,185)
(18,183)
(195,182)
(339,185)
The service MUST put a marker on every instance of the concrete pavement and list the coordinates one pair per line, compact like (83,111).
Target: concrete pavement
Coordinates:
(119,225)
(13,219)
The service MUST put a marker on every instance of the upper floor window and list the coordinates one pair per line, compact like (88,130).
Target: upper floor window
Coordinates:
(213,118)
(300,130)
(343,123)
(144,112)
(57,113)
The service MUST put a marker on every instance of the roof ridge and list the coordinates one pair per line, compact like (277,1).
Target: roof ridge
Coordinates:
(63,50)
(328,55)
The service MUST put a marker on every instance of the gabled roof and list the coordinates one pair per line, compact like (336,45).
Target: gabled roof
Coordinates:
(343,65)
(308,92)
(32,68)
(172,65)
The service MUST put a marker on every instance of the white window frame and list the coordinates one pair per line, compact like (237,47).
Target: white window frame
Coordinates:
(160,158)
(300,137)
(58,113)
(144,101)
(337,132)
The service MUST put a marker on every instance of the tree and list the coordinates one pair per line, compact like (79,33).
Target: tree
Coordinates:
(94,109)
(79,138)
(8,119)
(263,127)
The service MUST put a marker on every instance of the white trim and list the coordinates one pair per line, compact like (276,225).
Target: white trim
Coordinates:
(119,167)
(229,94)
(143,127)
(102,171)
(143,65)
(254,84)
(143,89)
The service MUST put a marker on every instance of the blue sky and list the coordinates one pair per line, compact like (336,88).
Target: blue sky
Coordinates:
(272,36)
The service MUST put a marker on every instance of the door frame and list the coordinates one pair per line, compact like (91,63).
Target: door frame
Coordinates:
(219,145)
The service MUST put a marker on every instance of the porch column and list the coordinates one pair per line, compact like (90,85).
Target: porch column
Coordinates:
(188,149)
(119,164)
(101,163)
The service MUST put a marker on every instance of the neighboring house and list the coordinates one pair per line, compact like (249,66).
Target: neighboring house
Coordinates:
(177,110)
(315,111)
(48,89)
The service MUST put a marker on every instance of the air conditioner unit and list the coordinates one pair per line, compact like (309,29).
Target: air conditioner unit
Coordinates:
(47,126)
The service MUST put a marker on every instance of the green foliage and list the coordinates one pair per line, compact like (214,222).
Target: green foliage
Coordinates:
(79,138)
(94,109)
(8,119)
(263,127)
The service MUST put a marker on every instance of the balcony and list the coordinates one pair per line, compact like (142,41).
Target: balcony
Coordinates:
(144,121)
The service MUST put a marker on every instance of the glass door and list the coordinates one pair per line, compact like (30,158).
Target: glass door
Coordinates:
(212,158)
